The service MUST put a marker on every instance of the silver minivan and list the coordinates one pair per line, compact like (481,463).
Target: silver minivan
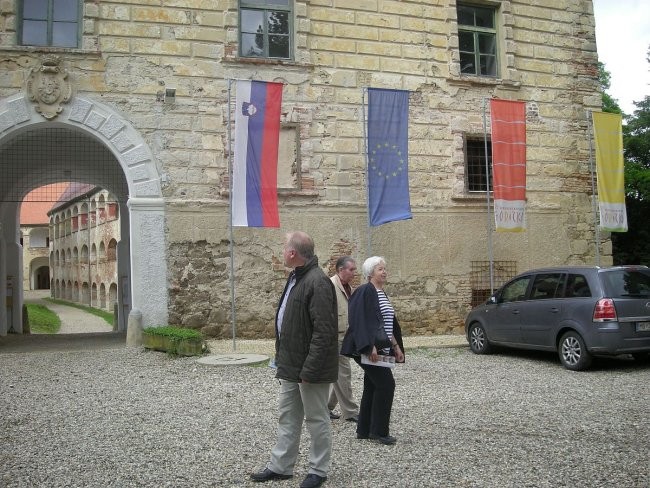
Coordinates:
(578,311)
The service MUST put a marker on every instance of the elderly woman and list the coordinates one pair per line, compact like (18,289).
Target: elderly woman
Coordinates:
(373,334)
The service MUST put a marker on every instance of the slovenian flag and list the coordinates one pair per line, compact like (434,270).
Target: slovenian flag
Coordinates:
(255,169)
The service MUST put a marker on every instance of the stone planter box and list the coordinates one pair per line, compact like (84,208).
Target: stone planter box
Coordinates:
(173,345)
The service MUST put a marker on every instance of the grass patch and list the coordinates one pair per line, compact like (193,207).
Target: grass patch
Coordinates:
(42,319)
(107,316)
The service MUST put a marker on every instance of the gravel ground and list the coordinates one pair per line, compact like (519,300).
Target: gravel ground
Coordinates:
(126,417)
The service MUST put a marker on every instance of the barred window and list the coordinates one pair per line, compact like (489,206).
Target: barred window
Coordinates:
(476,166)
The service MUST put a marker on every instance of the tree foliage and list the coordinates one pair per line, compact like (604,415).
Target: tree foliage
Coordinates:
(610,104)
(633,246)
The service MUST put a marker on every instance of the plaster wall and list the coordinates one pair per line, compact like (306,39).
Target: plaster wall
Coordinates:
(133,51)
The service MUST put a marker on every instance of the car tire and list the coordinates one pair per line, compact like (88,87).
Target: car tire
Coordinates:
(478,341)
(573,352)
(642,357)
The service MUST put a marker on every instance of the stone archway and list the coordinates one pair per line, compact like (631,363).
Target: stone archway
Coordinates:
(143,284)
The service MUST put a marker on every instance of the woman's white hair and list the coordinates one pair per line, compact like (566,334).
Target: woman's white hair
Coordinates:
(370,264)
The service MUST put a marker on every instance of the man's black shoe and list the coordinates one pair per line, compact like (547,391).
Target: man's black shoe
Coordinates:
(334,416)
(389,440)
(354,418)
(313,481)
(268,475)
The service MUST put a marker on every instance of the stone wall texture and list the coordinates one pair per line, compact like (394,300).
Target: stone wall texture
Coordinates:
(132,51)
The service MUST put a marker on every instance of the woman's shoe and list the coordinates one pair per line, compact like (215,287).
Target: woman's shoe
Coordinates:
(389,440)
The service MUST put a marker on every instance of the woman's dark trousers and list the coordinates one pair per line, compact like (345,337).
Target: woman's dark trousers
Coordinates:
(376,401)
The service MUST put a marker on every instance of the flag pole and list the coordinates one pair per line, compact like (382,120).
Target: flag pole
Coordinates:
(590,122)
(487,198)
(365,150)
(232,250)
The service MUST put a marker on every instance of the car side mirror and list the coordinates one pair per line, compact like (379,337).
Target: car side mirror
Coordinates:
(492,299)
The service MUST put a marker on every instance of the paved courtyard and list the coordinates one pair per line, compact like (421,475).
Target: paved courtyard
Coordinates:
(125,417)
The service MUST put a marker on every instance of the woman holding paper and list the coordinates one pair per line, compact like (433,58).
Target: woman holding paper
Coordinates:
(374,341)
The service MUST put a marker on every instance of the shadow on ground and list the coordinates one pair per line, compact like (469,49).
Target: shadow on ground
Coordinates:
(17,343)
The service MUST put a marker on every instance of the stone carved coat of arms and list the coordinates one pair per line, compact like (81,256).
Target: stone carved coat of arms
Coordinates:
(48,87)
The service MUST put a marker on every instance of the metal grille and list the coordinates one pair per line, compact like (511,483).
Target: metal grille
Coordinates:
(475,157)
(480,278)
(44,156)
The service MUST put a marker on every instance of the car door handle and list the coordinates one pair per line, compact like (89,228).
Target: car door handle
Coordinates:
(515,312)
(555,310)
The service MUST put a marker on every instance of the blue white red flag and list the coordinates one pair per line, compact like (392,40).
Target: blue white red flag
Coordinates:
(388,178)
(255,168)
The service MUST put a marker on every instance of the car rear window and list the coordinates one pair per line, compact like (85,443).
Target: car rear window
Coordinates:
(577,286)
(625,283)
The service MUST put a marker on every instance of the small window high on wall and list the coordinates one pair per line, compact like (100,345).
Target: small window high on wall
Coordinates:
(477,40)
(265,28)
(53,23)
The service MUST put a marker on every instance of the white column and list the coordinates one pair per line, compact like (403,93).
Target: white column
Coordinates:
(148,260)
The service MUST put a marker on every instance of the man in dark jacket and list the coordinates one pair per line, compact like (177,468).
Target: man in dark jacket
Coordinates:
(306,347)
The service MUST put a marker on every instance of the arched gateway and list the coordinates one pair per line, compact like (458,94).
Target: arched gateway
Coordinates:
(141,253)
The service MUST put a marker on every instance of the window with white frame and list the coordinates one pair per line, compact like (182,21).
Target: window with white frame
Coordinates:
(53,23)
(477,40)
(265,29)
(478,173)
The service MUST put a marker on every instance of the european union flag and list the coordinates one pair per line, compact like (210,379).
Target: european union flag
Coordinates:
(388,178)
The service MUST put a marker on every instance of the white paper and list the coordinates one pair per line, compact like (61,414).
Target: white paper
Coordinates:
(383,361)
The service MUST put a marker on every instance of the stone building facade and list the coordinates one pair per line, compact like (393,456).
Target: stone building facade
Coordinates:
(84,230)
(144,88)
(35,235)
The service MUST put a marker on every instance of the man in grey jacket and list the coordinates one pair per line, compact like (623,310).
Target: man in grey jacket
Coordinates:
(306,357)
(341,392)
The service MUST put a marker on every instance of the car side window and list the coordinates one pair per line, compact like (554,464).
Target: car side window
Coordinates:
(547,285)
(577,286)
(515,290)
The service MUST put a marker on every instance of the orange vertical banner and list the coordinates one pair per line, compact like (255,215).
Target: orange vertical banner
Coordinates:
(508,120)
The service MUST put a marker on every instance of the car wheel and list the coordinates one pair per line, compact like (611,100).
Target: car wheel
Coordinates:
(478,341)
(573,352)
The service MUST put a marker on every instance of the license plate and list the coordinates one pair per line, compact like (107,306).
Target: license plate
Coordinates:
(643,326)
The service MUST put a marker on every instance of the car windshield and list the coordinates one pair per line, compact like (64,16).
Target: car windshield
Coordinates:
(623,283)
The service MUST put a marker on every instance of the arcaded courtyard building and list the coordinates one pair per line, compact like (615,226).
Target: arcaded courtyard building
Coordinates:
(132,97)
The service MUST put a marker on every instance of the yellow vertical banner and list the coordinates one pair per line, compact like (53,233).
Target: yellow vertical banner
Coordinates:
(608,138)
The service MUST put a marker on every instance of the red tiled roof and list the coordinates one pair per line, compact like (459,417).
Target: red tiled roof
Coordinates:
(36,204)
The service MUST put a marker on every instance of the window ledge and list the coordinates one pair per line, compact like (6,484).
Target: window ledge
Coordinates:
(471,198)
(473,80)
(265,61)
(50,50)
(297,193)
(284,193)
